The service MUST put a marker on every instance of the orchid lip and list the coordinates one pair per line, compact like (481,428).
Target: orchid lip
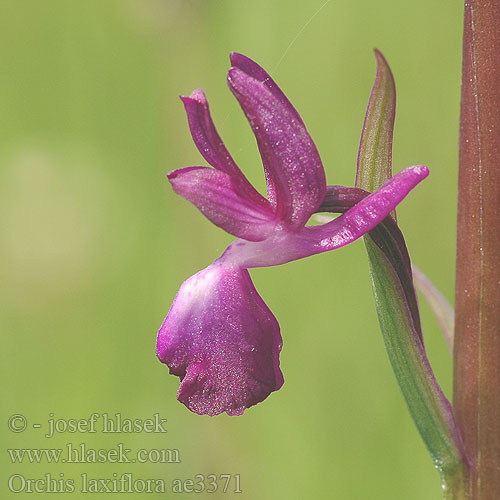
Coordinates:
(223,342)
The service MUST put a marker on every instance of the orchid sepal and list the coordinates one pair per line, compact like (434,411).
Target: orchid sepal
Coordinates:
(284,245)
(222,201)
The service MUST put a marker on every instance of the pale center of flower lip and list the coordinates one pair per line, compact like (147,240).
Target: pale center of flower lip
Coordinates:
(275,250)
(202,284)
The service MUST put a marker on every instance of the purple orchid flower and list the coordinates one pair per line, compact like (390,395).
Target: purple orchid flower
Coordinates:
(219,336)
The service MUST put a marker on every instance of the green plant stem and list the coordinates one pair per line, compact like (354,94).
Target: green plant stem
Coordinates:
(477,304)
(456,487)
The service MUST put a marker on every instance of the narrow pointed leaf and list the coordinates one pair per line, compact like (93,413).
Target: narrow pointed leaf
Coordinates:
(397,309)
(375,148)
(441,308)
(395,297)
(426,402)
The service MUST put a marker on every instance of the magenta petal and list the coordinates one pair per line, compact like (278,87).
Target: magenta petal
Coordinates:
(285,246)
(223,342)
(365,215)
(204,133)
(251,68)
(223,202)
(210,145)
(293,167)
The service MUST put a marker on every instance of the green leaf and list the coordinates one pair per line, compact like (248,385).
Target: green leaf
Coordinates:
(395,299)
(440,307)
(426,402)
(375,149)
(399,318)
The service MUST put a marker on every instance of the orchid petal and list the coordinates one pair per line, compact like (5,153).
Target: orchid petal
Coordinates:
(285,246)
(219,199)
(223,342)
(366,214)
(293,167)
(251,68)
(211,146)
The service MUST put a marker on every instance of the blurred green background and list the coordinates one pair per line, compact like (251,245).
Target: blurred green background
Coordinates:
(94,243)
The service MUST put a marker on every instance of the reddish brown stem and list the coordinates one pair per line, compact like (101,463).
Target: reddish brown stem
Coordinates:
(477,319)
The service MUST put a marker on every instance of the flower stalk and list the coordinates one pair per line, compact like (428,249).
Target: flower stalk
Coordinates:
(477,304)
